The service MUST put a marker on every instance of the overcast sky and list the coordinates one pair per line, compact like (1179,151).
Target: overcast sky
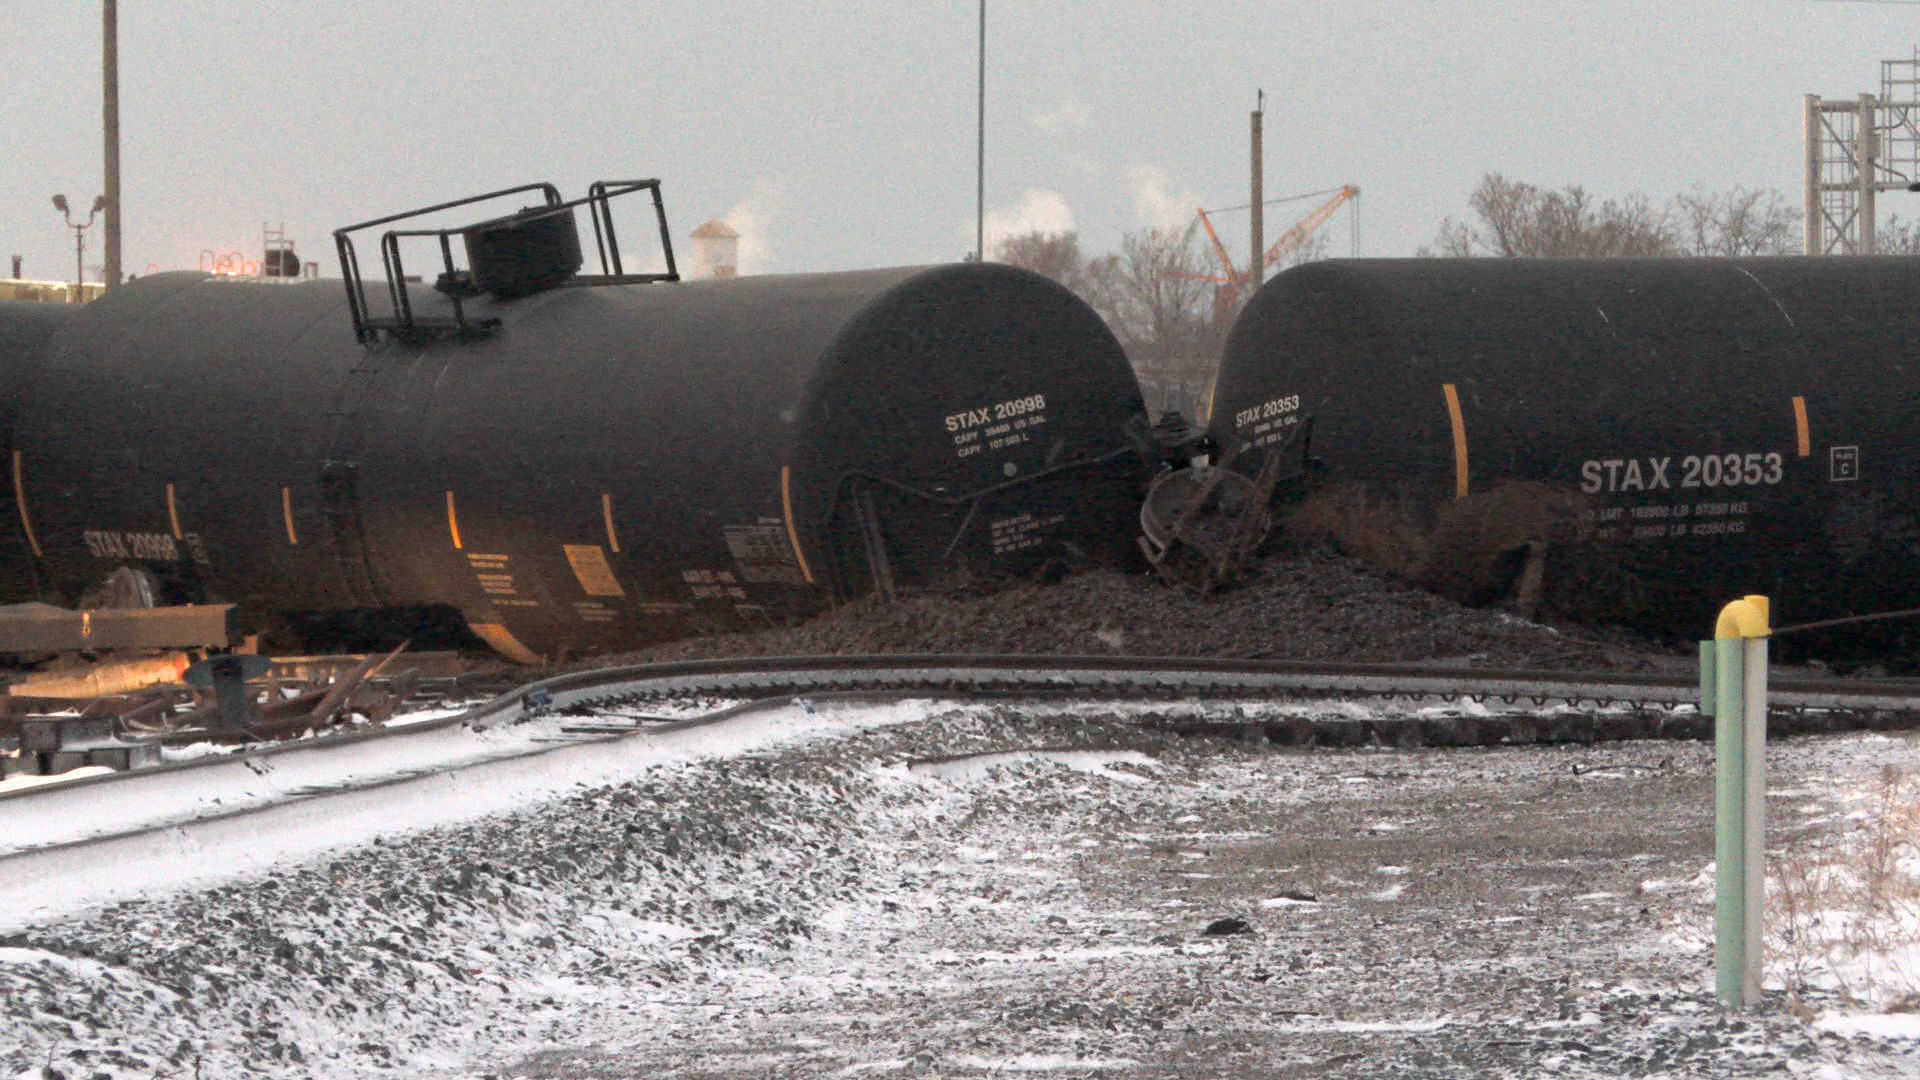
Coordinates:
(838,134)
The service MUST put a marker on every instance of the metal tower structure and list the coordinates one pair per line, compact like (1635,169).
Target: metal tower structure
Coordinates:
(1855,150)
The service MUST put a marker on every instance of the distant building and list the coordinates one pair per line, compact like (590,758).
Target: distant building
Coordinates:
(716,251)
(48,292)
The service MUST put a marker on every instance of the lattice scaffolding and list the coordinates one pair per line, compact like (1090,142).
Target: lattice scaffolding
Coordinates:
(1856,149)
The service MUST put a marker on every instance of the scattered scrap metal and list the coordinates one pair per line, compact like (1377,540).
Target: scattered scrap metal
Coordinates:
(45,734)
(1201,525)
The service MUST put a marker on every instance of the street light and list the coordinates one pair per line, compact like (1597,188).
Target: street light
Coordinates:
(79,239)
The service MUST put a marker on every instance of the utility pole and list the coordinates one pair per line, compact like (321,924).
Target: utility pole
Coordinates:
(980,151)
(110,68)
(1256,273)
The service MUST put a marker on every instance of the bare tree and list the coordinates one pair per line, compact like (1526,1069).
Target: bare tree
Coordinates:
(1736,222)
(1156,296)
(1154,293)
(1515,219)
(1055,255)
(1898,237)
(1312,249)
(1455,241)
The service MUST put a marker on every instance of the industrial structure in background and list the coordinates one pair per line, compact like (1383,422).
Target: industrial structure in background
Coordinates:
(1184,384)
(716,251)
(50,292)
(1235,283)
(1856,149)
(278,260)
(18,287)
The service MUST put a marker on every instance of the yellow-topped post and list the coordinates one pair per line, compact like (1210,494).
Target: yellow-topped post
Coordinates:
(1734,668)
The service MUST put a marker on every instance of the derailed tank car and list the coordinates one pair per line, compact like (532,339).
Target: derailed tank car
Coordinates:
(24,330)
(572,470)
(1672,433)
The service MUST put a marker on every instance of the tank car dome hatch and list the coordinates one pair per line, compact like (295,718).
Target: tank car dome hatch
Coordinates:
(609,467)
(519,255)
(528,252)
(1672,432)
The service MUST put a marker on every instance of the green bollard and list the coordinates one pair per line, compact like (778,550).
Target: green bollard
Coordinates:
(1729,821)
(1707,687)
(1736,666)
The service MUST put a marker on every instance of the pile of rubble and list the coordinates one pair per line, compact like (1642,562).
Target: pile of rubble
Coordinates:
(1301,606)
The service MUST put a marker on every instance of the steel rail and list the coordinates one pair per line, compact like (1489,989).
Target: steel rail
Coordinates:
(212,803)
(1151,677)
(1876,703)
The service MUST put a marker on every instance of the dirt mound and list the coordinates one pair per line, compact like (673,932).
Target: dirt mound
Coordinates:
(1312,606)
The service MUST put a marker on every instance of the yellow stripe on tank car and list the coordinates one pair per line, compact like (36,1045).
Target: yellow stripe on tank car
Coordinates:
(502,641)
(606,514)
(286,514)
(173,514)
(793,535)
(1800,426)
(453,523)
(1460,473)
(20,500)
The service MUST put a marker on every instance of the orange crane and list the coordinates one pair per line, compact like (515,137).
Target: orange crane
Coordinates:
(1233,279)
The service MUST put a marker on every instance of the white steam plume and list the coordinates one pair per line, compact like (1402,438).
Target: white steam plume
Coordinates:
(1039,210)
(753,219)
(1154,204)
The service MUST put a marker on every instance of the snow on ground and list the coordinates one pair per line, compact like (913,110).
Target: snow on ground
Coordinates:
(862,898)
(23,781)
(666,710)
(219,783)
(175,829)
(1843,889)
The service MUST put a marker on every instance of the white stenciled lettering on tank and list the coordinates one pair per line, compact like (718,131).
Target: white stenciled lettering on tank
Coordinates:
(1271,422)
(1661,521)
(151,547)
(960,421)
(998,426)
(1664,473)
(1020,532)
(1268,410)
(713,585)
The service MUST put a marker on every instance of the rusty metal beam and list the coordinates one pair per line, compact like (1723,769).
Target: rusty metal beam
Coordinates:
(38,628)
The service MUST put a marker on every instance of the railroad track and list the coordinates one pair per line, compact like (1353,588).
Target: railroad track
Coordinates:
(1797,705)
(553,735)
(1494,706)
(1446,706)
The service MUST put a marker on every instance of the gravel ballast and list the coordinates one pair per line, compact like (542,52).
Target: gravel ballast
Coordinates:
(873,906)
(1305,606)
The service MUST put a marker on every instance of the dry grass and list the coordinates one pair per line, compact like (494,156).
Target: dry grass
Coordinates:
(1478,543)
(1843,906)
(1470,552)
(1360,523)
